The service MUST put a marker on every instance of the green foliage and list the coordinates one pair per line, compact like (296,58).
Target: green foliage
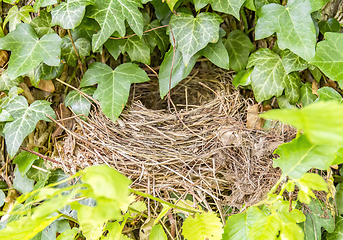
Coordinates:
(157,233)
(16,16)
(202,226)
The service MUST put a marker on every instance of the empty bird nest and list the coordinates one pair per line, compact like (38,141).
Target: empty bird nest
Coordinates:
(210,155)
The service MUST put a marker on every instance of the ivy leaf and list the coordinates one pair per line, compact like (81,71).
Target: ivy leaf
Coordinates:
(295,31)
(331,25)
(111,16)
(16,16)
(237,227)
(113,85)
(87,28)
(291,231)
(157,233)
(157,37)
(292,62)
(260,3)
(46,72)
(193,34)
(134,46)
(227,6)
(42,24)
(69,234)
(6,83)
(83,48)
(328,93)
(171,3)
(268,76)
(78,103)
(43,3)
(313,121)
(22,183)
(25,120)
(306,95)
(267,227)
(22,61)
(300,155)
(292,87)
(180,71)
(24,161)
(328,56)
(202,226)
(337,233)
(242,78)
(239,47)
(69,14)
(217,54)
(317,217)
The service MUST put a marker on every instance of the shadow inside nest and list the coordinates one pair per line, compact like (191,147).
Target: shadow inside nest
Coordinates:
(211,156)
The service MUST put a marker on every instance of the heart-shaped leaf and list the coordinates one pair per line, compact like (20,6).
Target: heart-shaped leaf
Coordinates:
(157,37)
(16,16)
(306,95)
(47,50)
(239,47)
(42,24)
(292,62)
(227,6)
(111,16)
(328,56)
(25,120)
(43,3)
(78,103)
(113,85)
(295,31)
(217,54)
(193,34)
(83,48)
(6,83)
(69,14)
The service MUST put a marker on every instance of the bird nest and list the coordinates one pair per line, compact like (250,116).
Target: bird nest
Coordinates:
(205,151)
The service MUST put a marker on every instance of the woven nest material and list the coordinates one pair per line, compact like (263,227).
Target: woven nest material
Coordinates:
(210,155)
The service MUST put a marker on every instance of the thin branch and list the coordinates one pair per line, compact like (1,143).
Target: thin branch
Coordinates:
(77,54)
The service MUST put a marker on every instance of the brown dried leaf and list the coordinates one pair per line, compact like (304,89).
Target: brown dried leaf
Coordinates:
(63,112)
(46,85)
(253,121)
(315,87)
(3,57)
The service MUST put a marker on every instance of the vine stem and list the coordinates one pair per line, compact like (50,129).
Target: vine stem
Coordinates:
(75,50)
(162,201)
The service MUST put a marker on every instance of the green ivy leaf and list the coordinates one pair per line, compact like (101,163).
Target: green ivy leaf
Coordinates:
(25,120)
(25,228)
(242,78)
(157,233)
(24,161)
(306,95)
(260,3)
(193,34)
(313,121)
(111,16)
(16,16)
(292,87)
(268,76)
(331,25)
(180,71)
(78,103)
(328,93)
(46,72)
(22,183)
(135,46)
(83,48)
(202,226)
(307,183)
(291,231)
(267,227)
(217,54)
(239,47)
(237,227)
(69,14)
(42,24)
(171,3)
(6,83)
(157,37)
(317,217)
(43,3)
(69,234)
(328,56)
(316,73)
(292,62)
(296,29)
(339,198)
(299,156)
(113,85)
(337,233)
(227,6)
(114,232)
(22,61)
(87,28)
